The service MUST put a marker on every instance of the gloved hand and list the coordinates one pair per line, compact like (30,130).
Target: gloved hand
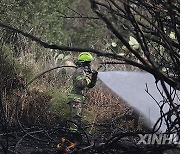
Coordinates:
(93,79)
(95,73)
(88,69)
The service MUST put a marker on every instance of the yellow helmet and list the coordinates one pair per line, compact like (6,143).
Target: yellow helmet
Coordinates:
(85,57)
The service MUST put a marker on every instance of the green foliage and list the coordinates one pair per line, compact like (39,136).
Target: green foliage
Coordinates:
(58,105)
(10,66)
(26,70)
(47,20)
(7,69)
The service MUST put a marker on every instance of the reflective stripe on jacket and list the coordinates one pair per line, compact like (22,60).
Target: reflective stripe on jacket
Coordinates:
(76,97)
(79,85)
(79,81)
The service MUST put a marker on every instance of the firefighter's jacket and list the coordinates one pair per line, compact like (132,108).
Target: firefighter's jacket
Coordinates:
(81,82)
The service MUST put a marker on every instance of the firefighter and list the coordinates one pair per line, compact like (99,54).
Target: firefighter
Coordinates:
(83,78)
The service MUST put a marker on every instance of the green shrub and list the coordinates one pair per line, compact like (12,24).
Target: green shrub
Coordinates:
(58,105)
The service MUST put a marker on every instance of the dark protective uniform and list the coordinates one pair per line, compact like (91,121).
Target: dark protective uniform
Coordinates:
(82,80)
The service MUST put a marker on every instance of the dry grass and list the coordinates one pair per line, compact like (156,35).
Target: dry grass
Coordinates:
(104,106)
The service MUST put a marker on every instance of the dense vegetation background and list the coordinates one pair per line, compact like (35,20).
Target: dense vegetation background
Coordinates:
(109,28)
(70,23)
